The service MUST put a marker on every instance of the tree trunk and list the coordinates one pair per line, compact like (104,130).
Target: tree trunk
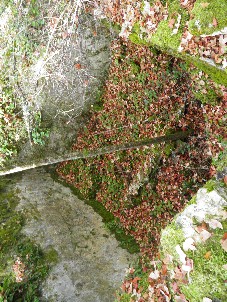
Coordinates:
(101,151)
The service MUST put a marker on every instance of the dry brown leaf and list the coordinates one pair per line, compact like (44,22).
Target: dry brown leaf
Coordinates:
(201,227)
(146,296)
(225,179)
(164,270)
(224,244)
(204,4)
(171,23)
(215,22)
(207,255)
(168,259)
(214,224)
(204,235)
(64,35)
(78,66)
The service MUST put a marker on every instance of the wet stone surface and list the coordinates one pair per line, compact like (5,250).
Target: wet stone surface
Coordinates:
(91,264)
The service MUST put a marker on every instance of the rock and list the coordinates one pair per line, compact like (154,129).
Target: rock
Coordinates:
(91,264)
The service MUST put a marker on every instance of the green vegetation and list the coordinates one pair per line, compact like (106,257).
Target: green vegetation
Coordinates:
(208,16)
(136,34)
(171,236)
(209,275)
(20,43)
(164,36)
(23,265)
(39,134)
(217,75)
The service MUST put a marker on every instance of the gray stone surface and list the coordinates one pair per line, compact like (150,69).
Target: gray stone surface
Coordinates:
(62,86)
(91,264)
(208,204)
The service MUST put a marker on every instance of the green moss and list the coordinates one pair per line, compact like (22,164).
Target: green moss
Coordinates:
(174,7)
(135,67)
(202,22)
(51,256)
(111,26)
(210,97)
(192,201)
(170,238)
(143,282)
(164,38)
(136,36)
(217,75)
(168,148)
(14,244)
(208,276)
(221,162)
(210,185)
(123,298)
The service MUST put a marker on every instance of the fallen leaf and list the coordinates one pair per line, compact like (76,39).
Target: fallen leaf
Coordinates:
(225,266)
(224,236)
(215,22)
(179,274)
(186,268)
(207,255)
(201,227)
(224,244)
(212,171)
(168,259)
(171,23)
(189,244)
(214,224)
(78,66)
(204,4)
(225,179)
(180,298)
(181,254)
(146,296)
(204,235)
(65,35)
(175,287)
(189,262)
(164,270)
(154,275)
(207,300)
